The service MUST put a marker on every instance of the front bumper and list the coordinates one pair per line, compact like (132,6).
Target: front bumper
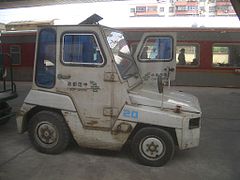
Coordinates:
(189,135)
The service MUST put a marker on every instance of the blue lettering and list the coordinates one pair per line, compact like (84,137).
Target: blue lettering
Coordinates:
(130,114)
(134,114)
(126,113)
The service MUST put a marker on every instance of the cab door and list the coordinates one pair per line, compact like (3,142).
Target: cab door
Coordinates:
(81,74)
(155,55)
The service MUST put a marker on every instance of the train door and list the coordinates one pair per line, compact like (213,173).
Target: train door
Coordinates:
(155,55)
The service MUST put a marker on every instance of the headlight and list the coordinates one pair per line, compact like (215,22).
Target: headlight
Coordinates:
(194,123)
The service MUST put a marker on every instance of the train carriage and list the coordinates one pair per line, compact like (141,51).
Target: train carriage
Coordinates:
(212,56)
(21,46)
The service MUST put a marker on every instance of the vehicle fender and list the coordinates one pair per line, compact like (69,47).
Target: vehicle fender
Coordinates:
(42,99)
(21,117)
(51,100)
(151,115)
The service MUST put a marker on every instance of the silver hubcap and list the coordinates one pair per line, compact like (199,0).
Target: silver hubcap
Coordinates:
(46,133)
(152,148)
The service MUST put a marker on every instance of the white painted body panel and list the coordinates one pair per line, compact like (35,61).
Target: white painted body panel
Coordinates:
(51,100)
(169,99)
(96,138)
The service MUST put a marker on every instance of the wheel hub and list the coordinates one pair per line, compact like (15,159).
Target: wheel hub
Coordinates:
(47,133)
(152,148)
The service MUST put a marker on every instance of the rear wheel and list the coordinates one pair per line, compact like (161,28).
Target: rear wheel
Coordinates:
(48,132)
(152,146)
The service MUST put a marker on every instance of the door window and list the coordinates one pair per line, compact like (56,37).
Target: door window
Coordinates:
(157,49)
(81,49)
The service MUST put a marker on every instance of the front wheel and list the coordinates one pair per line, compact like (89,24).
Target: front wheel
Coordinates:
(152,146)
(48,132)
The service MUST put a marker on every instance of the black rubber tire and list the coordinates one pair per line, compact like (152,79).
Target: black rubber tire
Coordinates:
(162,137)
(49,126)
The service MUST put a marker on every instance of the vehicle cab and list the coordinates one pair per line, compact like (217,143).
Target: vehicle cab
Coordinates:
(87,85)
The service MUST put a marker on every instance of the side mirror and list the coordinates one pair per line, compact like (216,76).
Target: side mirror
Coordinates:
(160,84)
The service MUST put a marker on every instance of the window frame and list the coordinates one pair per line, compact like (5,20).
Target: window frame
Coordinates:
(98,43)
(198,54)
(19,53)
(155,60)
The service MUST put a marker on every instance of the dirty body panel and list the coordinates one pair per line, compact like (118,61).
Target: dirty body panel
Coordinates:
(88,83)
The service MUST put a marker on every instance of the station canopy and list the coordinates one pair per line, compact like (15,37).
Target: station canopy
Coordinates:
(5,4)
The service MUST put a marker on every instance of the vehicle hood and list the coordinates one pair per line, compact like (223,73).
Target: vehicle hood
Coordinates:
(169,99)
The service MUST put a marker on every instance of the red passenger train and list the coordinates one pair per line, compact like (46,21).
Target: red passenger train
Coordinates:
(212,56)
(21,46)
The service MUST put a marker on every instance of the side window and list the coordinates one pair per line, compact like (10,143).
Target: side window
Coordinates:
(46,58)
(81,49)
(157,49)
(226,55)
(15,52)
(187,55)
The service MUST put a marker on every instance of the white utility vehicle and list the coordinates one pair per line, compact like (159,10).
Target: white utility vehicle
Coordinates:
(87,85)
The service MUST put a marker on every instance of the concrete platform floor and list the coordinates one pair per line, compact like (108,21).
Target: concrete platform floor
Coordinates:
(217,157)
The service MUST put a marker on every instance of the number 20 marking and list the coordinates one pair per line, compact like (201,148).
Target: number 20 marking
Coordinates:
(130,114)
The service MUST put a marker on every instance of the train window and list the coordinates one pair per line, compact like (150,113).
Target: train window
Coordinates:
(46,58)
(81,49)
(157,49)
(226,55)
(187,55)
(15,52)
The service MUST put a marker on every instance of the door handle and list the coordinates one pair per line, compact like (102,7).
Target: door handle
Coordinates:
(61,76)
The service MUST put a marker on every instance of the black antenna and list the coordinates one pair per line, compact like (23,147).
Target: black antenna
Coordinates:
(93,19)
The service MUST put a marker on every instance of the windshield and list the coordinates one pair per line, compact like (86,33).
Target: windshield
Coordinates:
(121,52)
